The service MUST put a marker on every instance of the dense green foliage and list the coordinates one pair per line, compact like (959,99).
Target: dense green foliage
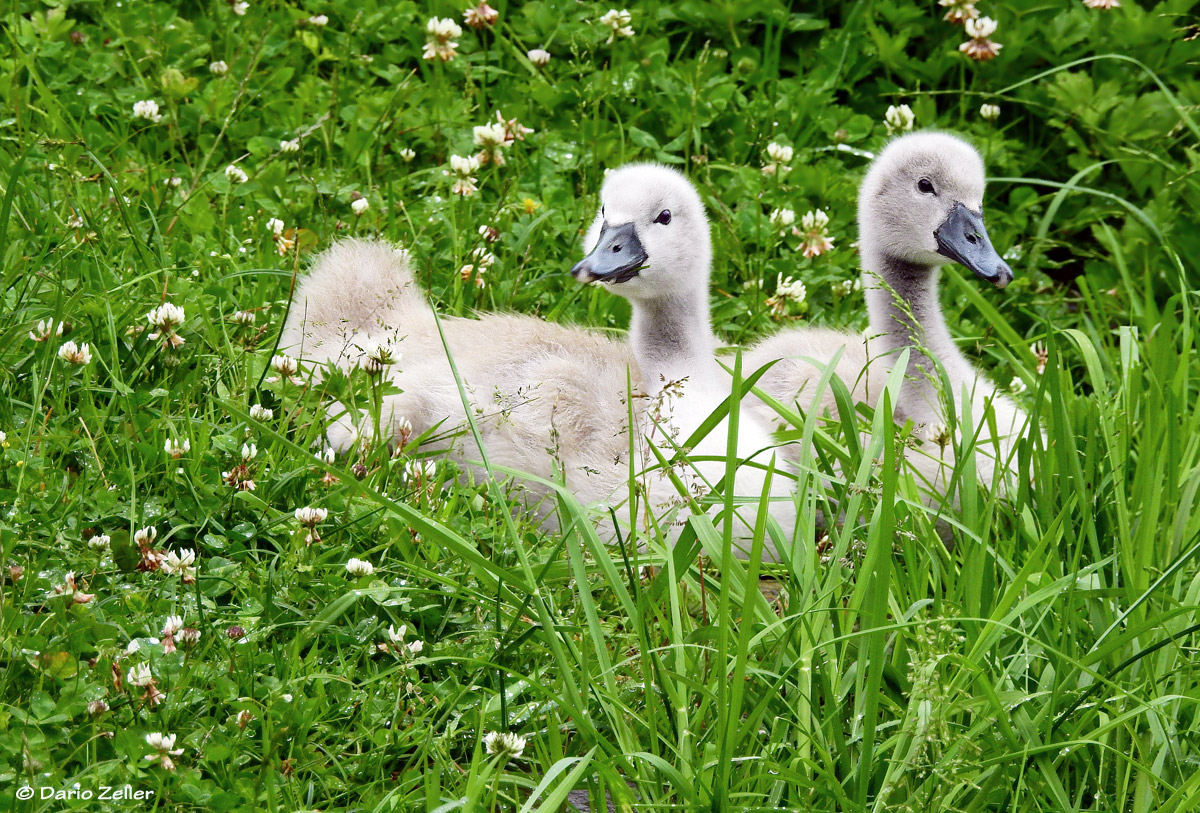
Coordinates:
(1046,662)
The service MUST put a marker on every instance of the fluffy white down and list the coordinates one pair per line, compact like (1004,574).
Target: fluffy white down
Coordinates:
(549,398)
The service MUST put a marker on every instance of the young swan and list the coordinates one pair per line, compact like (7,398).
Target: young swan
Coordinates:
(650,244)
(919,207)
(548,398)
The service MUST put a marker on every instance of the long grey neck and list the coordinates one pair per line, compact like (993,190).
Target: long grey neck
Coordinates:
(908,316)
(673,339)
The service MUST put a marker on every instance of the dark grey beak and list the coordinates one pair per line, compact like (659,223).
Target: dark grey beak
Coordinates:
(617,257)
(962,238)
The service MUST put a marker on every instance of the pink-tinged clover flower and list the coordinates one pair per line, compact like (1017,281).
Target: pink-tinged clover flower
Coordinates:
(980,47)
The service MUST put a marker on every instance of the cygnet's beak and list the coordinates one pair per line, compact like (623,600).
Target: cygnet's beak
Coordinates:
(617,257)
(962,238)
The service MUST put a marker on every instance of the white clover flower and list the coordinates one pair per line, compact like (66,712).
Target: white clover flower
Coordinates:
(249,452)
(481,16)
(538,56)
(814,220)
(378,356)
(980,28)
(815,234)
(395,635)
(189,636)
(327,455)
(275,226)
(959,10)
(780,153)
(489,135)
(979,47)
(74,222)
(96,708)
(147,109)
(218,68)
(318,20)
(483,257)
(243,718)
(359,206)
(240,8)
(244,318)
(1017,385)
(46,328)
(404,428)
(468,271)
(463,165)
(284,364)
(311,517)
(1102,5)
(513,129)
(99,542)
(164,745)
(989,112)
(503,743)
(174,181)
(359,568)
(618,23)
(72,353)
(176,448)
(166,317)
(491,138)
(290,146)
(173,625)
(139,675)
(145,537)
(899,119)
(415,647)
(789,288)
(462,169)
(441,43)
(407,154)
(261,413)
(781,219)
(236,174)
(181,562)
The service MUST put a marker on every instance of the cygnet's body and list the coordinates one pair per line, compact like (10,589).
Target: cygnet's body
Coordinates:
(920,206)
(548,399)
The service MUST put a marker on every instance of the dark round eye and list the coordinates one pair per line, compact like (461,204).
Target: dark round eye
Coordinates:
(664,217)
(925,186)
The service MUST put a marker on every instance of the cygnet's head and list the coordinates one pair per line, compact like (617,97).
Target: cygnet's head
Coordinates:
(650,238)
(922,202)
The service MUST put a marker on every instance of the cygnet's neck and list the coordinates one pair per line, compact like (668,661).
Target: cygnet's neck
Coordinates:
(673,339)
(908,316)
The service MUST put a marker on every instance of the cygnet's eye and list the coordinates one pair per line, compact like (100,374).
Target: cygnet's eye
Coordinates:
(664,217)
(925,186)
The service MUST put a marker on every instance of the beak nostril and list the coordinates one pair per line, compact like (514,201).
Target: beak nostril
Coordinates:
(972,239)
(616,249)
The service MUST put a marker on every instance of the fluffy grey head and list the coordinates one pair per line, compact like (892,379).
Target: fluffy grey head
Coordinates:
(650,238)
(922,202)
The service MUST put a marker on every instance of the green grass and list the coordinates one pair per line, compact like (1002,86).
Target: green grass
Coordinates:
(1046,661)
